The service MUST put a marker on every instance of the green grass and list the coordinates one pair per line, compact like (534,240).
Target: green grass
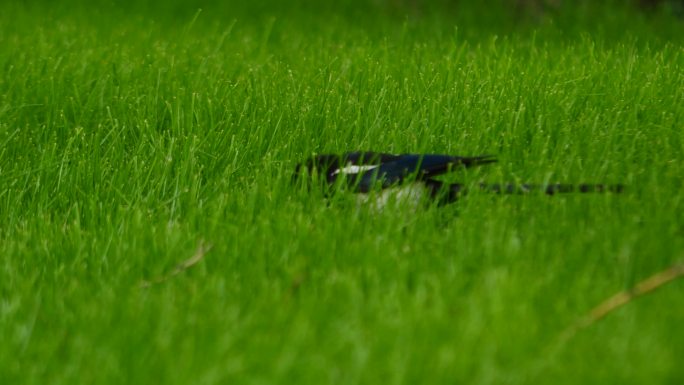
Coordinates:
(129,134)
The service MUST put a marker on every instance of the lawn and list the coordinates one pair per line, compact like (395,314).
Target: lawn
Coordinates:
(150,231)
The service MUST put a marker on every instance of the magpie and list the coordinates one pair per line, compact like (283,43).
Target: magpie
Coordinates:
(389,174)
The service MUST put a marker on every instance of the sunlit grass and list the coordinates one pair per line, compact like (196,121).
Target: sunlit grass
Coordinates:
(126,142)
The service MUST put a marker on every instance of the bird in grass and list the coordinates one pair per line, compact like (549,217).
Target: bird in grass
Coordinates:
(401,176)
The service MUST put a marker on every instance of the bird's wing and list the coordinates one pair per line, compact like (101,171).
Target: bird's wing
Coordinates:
(362,158)
(364,169)
(433,165)
(359,163)
(418,165)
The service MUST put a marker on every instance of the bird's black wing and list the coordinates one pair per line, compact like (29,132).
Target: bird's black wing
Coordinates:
(420,166)
(365,169)
(350,164)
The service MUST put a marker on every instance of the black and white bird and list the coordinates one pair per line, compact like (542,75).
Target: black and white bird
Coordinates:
(401,176)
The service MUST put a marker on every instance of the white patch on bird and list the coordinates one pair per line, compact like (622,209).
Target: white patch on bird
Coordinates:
(354,169)
(409,195)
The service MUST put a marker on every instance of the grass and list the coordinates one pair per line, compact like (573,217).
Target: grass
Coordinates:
(131,134)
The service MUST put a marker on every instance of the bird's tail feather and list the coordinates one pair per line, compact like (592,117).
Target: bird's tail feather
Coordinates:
(450,192)
(476,160)
(550,189)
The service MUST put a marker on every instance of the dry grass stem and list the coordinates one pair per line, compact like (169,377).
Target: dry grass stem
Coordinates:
(624,297)
(202,250)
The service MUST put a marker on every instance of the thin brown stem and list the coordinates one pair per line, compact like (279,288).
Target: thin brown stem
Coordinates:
(624,297)
(202,250)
